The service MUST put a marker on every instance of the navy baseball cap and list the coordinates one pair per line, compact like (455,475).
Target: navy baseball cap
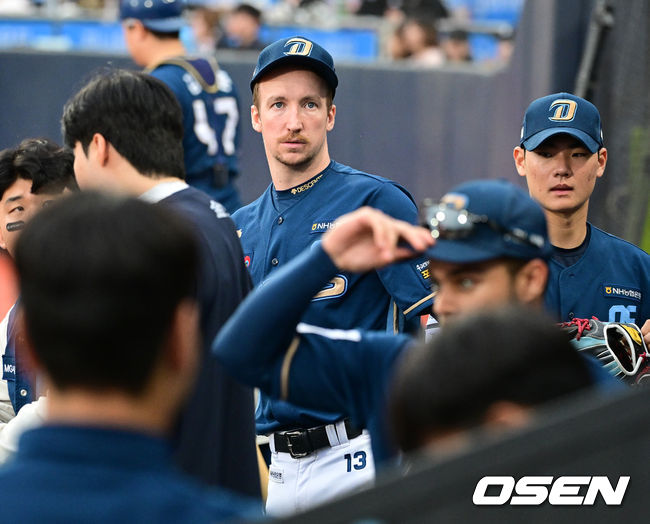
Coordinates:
(163,16)
(561,113)
(486,219)
(299,51)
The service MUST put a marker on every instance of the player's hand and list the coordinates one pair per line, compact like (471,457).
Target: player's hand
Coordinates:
(645,331)
(368,239)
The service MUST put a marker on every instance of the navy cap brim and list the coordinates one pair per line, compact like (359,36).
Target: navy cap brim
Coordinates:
(534,141)
(459,252)
(165,25)
(306,62)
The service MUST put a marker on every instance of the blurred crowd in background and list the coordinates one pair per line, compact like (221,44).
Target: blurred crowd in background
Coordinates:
(424,33)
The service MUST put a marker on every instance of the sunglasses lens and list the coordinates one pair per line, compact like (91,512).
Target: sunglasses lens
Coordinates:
(622,351)
(446,222)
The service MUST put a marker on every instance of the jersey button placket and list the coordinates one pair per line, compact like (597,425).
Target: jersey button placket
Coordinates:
(274,261)
(280,220)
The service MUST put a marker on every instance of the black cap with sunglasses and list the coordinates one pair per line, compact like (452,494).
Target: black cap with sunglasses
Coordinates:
(486,219)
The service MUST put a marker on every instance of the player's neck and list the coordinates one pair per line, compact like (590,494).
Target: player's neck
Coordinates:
(285,177)
(567,230)
(107,409)
(163,50)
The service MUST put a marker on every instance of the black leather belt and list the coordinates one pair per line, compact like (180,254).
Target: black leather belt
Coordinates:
(301,442)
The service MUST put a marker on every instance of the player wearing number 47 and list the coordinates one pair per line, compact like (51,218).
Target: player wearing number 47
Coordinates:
(592,273)
(294,84)
(126,130)
(206,93)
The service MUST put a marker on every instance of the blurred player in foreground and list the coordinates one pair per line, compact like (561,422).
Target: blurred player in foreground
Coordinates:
(205,92)
(592,273)
(294,84)
(496,257)
(126,129)
(32,175)
(102,455)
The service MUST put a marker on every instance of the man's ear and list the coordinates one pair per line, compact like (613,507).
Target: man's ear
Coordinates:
(331,117)
(519,155)
(602,161)
(255,119)
(530,281)
(101,148)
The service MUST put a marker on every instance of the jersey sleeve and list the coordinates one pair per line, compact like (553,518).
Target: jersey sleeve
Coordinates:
(342,371)
(407,282)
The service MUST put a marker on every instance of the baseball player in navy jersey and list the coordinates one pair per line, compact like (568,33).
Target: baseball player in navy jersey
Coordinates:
(205,92)
(114,151)
(32,175)
(293,87)
(490,251)
(592,273)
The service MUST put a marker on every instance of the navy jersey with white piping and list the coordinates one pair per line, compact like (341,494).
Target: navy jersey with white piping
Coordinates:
(279,225)
(330,369)
(611,281)
(210,106)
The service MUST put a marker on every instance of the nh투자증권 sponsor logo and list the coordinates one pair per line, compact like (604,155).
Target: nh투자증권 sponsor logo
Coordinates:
(614,291)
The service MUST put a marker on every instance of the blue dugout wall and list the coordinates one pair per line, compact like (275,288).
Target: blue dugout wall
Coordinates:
(428,129)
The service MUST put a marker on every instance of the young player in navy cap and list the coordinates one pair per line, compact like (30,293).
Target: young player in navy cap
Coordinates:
(293,87)
(206,93)
(490,250)
(592,273)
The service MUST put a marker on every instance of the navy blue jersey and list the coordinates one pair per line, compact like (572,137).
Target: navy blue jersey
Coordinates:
(611,281)
(90,474)
(350,371)
(279,225)
(216,437)
(210,107)
(346,371)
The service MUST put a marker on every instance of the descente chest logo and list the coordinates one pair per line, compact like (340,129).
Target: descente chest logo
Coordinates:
(614,291)
(563,491)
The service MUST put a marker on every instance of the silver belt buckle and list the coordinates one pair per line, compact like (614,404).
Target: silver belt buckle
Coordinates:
(294,454)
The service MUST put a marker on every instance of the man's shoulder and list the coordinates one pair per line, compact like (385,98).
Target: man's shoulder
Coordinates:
(618,246)
(359,181)
(198,207)
(250,210)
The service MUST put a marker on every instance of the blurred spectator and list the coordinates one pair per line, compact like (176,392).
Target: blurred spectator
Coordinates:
(456,47)
(505,47)
(205,29)
(242,29)
(421,43)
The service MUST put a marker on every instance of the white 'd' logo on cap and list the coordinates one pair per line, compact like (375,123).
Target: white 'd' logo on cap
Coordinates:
(298,46)
(565,110)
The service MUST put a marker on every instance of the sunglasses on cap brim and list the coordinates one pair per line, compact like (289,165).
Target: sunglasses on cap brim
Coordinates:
(446,222)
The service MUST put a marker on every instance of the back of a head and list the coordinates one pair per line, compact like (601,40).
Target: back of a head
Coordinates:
(137,113)
(48,165)
(102,276)
(511,355)
(162,17)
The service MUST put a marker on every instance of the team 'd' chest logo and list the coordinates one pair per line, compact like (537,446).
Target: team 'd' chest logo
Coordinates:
(298,47)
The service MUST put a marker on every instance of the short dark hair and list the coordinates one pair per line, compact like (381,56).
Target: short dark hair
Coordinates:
(98,311)
(506,355)
(137,113)
(249,10)
(48,165)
